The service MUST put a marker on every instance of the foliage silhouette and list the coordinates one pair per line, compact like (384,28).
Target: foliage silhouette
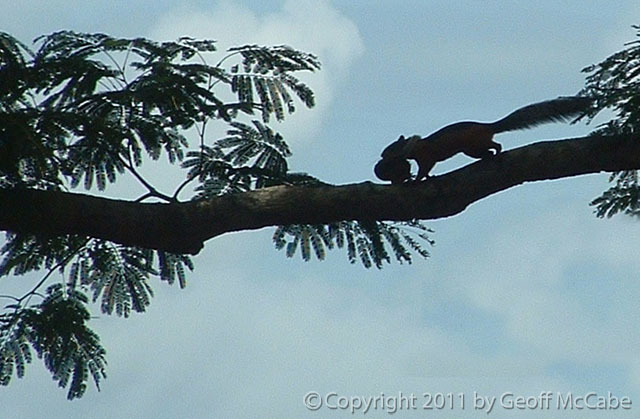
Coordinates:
(84,110)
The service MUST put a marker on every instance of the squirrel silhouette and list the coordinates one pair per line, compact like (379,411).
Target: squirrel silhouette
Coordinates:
(475,139)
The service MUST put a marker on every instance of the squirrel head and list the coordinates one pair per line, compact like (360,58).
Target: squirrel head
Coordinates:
(395,149)
(396,170)
(400,147)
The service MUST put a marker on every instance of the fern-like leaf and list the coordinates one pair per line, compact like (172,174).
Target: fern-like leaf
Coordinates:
(365,241)
(57,331)
(268,76)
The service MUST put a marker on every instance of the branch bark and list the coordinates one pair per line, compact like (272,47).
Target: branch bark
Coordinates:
(184,227)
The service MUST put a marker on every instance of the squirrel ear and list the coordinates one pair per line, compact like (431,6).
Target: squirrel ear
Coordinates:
(401,138)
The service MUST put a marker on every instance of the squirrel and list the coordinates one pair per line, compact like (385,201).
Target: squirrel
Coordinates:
(475,139)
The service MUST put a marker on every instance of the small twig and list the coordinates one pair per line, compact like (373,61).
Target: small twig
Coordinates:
(124,64)
(189,179)
(181,186)
(152,191)
(143,197)
(227,57)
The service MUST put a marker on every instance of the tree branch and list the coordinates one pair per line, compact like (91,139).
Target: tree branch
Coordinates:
(184,227)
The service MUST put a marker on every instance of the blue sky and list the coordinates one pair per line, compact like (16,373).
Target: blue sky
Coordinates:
(525,292)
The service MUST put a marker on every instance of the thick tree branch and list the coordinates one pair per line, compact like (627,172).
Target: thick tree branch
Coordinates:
(183,227)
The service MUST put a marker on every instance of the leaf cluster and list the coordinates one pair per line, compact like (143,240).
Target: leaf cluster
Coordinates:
(366,241)
(86,109)
(249,157)
(268,73)
(615,83)
(56,329)
(117,276)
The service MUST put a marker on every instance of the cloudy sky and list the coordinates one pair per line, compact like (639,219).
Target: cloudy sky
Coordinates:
(526,291)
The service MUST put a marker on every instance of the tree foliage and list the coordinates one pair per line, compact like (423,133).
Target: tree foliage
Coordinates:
(362,239)
(615,83)
(56,330)
(83,110)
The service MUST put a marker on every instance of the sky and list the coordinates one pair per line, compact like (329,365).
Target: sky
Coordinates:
(525,293)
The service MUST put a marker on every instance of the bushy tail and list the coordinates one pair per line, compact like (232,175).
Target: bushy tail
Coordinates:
(561,109)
